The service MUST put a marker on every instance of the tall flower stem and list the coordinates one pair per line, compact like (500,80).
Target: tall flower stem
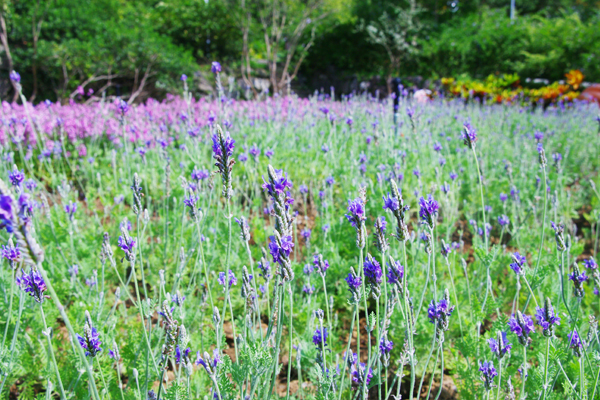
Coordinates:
(10,304)
(499,379)
(485,234)
(523,373)
(289,371)
(229,236)
(67,321)
(455,296)
(47,333)
(14,339)
(346,353)
(545,386)
(327,304)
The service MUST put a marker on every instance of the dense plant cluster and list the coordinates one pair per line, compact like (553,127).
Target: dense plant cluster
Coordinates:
(298,248)
(508,89)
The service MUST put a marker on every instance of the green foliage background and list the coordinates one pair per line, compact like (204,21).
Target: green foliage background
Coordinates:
(78,40)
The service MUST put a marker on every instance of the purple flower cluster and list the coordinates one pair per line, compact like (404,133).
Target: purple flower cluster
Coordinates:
(90,341)
(320,337)
(546,318)
(428,210)
(373,275)
(521,325)
(500,346)
(223,146)
(395,273)
(32,283)
(488,373)
(228,279)
(469,135)
(518,262)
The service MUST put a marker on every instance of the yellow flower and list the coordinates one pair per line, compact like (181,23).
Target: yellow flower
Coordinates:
(574,78)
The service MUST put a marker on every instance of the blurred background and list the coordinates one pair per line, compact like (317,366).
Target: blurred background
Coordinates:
(85,50)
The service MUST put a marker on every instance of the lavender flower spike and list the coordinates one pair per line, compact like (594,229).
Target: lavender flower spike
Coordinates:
(33,283)
(90,341)
(356,216)
(521,325)
(469,135)
(500,346)
(578,278)
(223,146)
(428,210)
(546,318)
(488,373)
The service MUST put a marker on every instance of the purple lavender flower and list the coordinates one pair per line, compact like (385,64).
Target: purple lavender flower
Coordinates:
(14,76)
(428,210)
(215,67)
(199,174)
(410,112)
(488,373)
(417,173)
(243,157)
(385,345)
(439,313)
(325,149)
(210,365)
(254,152)
(503,220)
(521,325)
(359,372)
(500,346)
(223,146)
(309,290)
(16,177)
(575,343)
(321,265)
(127,244)
(269,153)
(329,181)
(538,136)
(373,275)
(395,273)
(179,355)
(503,197)
(578,277)
(469,135)
(11,252)
(183,77)
(518,262)
(70,209)
(559,230)
(590,264)
(279,250)
(278,185)
(356,212)
(445,249)
(354,283)
(90,341)
(437,147)
(320,337)
(32,283)
(391,203)
(453,175)
(546,318)
(230,279)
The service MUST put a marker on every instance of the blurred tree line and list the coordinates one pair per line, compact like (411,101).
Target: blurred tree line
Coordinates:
(69,49)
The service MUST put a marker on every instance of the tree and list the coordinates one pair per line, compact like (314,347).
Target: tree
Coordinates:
(397,33)
(283,25)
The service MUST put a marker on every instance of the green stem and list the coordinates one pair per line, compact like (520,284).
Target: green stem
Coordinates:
(63,395)
(67,322)
(485,235)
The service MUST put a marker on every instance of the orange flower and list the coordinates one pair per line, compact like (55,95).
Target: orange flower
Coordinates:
(574,78)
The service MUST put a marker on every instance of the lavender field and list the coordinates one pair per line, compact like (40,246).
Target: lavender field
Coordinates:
(320,248)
